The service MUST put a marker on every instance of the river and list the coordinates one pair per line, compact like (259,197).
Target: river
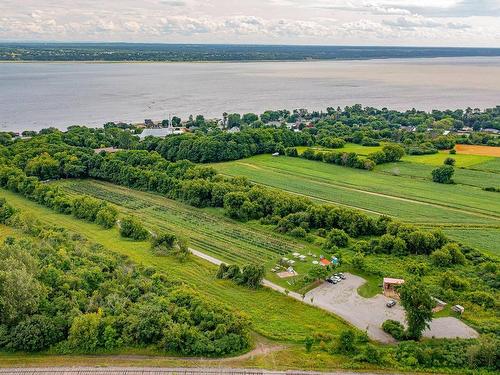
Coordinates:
(38,95)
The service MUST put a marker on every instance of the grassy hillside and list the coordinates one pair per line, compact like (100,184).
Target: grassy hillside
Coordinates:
(407,194)
(272,314)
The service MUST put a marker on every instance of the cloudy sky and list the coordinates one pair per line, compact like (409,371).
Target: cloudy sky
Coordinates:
(363,22)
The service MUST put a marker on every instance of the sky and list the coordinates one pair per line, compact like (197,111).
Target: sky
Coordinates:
(460,23)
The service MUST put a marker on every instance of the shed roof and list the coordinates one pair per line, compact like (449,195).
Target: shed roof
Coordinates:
(390,280)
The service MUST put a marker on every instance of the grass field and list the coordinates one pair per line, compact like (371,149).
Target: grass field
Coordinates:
(411,198)
(462,160)
(272,314)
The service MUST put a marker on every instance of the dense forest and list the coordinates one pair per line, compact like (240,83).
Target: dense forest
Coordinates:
(58,290)
(217,52)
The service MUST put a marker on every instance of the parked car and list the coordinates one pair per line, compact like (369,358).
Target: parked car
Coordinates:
(391,303)
(329,280)
(342,276)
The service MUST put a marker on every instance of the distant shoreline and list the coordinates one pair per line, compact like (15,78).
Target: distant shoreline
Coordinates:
(238,61)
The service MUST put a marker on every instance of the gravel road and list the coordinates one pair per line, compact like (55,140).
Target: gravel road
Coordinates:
(365,313)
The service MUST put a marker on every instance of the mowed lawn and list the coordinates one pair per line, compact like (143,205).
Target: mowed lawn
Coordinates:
(273,315)
(409,198)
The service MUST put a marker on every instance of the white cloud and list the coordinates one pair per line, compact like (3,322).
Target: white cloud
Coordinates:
(252,21)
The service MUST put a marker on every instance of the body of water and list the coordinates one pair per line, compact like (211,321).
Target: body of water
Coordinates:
(38,95)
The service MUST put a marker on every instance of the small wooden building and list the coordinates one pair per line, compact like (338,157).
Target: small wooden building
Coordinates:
(390,285)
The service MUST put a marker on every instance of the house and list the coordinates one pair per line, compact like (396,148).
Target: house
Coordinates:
(162,132)
(491,131)
(390,284)
(234,129)
(109,150)
(325,262)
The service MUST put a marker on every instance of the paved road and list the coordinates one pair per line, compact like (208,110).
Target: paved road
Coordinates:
(365,313)
(158,371)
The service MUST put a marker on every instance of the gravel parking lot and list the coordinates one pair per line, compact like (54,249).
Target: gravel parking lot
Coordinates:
(369,313)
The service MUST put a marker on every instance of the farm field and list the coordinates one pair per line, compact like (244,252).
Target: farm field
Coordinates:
(407,197)
(478,150)
(207,230)
(465,176)
(272,314)
(462,160)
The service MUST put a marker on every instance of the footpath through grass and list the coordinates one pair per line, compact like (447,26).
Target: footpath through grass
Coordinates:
(273,315)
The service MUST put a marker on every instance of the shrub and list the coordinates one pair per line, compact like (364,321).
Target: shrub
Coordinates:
(298,232)
(358,261)
(84,334)
(308,342)
(131,228)
(394,328)
(453,151)
(449,161)
(166,240)
(291,151)
(451,281)
(332,142)
(393,152)
(346,342)
(336,238)
(482,298)
(251,275)
(36,333)
(6,211)
(106,217)
(443,174)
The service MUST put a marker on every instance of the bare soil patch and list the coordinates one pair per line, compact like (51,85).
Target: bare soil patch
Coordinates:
(478,150)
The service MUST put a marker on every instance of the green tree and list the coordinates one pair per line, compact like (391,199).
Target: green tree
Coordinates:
(443,174)
(130,227)
(85,332)
(393,152)
(106,217)
(418,305)
(449,161)
(252,275)
(336,238)
(44,166)
(36,333)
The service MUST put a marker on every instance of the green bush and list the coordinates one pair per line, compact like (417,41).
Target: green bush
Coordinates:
(394,328)
(85,332)
(6,211)
(336,238)
(443,174)
(106,217)
(132,228)
(36,333)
